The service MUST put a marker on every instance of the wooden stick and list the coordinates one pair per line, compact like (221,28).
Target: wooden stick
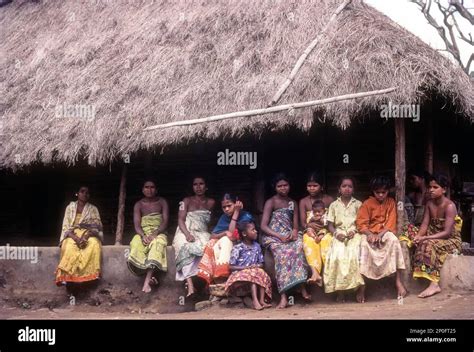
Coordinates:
(400,172)
(305,54)
(121,207)
(272,109)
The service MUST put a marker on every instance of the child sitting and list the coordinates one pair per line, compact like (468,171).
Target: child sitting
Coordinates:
(246,264)
(380,250)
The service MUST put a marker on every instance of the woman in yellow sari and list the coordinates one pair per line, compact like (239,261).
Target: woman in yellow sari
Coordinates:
(148,246)
(316,238)
(81,238)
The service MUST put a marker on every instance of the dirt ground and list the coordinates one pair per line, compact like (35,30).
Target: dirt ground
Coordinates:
(446,305)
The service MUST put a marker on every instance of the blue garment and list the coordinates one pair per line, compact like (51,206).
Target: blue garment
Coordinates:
(224,221)
(244,255)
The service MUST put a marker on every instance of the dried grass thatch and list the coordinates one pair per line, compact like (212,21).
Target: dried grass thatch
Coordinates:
(149,62)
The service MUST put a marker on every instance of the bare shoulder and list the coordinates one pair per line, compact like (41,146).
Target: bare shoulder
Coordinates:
(211,202)
(449,204)
(305,203)
(186,200)
(270,202)
(327,199)
(162,201)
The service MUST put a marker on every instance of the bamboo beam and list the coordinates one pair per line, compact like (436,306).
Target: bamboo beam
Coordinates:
(121,207)
(400,171)
(272,109)
(305,54)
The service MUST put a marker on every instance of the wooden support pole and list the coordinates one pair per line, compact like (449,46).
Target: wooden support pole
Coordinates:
(273,109)
(121,207)
(400,171)
(429,146)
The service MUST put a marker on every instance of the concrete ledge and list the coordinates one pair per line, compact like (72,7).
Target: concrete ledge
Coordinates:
(18,277)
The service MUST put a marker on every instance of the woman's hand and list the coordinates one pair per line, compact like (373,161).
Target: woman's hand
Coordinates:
(319,238)
(340,236)
(238,206)
(350,235)
(190,238)
(418,239)
(318,226)
(230,235)
(294,235)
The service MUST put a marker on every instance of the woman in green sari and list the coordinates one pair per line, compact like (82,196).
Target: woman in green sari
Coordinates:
(148,246)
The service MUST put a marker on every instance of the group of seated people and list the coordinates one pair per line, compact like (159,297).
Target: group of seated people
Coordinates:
(335,244)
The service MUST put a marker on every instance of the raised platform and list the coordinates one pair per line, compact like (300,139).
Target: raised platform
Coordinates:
(20,278)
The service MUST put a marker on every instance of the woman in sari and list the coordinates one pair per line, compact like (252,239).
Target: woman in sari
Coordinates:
(438,235)
(80,241)
(341,271)
(214,265)
(192,233)
(280,225)
(315,246)
(148,246)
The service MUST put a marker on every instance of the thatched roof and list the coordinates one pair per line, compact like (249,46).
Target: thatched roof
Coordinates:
(150,62)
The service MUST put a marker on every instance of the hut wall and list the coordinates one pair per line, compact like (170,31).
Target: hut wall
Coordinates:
(33,201)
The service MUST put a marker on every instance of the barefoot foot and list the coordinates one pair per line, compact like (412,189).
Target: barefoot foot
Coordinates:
(431,290)
(257,305)
(283,302)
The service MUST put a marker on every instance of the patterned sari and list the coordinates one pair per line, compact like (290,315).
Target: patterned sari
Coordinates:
(290,264)
(152,256)
(430,255)
(215,260)
(188,254)
(80,264)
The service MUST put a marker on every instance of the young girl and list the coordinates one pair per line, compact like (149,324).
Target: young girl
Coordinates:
(280,225)
(246,264)
(438,236)
(381,253)
(341,271)
(214,265)
(315,250)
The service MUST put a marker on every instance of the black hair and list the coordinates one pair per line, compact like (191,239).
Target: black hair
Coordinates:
(425,175)
(149,179)
(318,203)
(198,176)
(279,177)
(228,196)
(314,176)
(242,226)
(347,178)
(440,178)
(81,185)
(380,181)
